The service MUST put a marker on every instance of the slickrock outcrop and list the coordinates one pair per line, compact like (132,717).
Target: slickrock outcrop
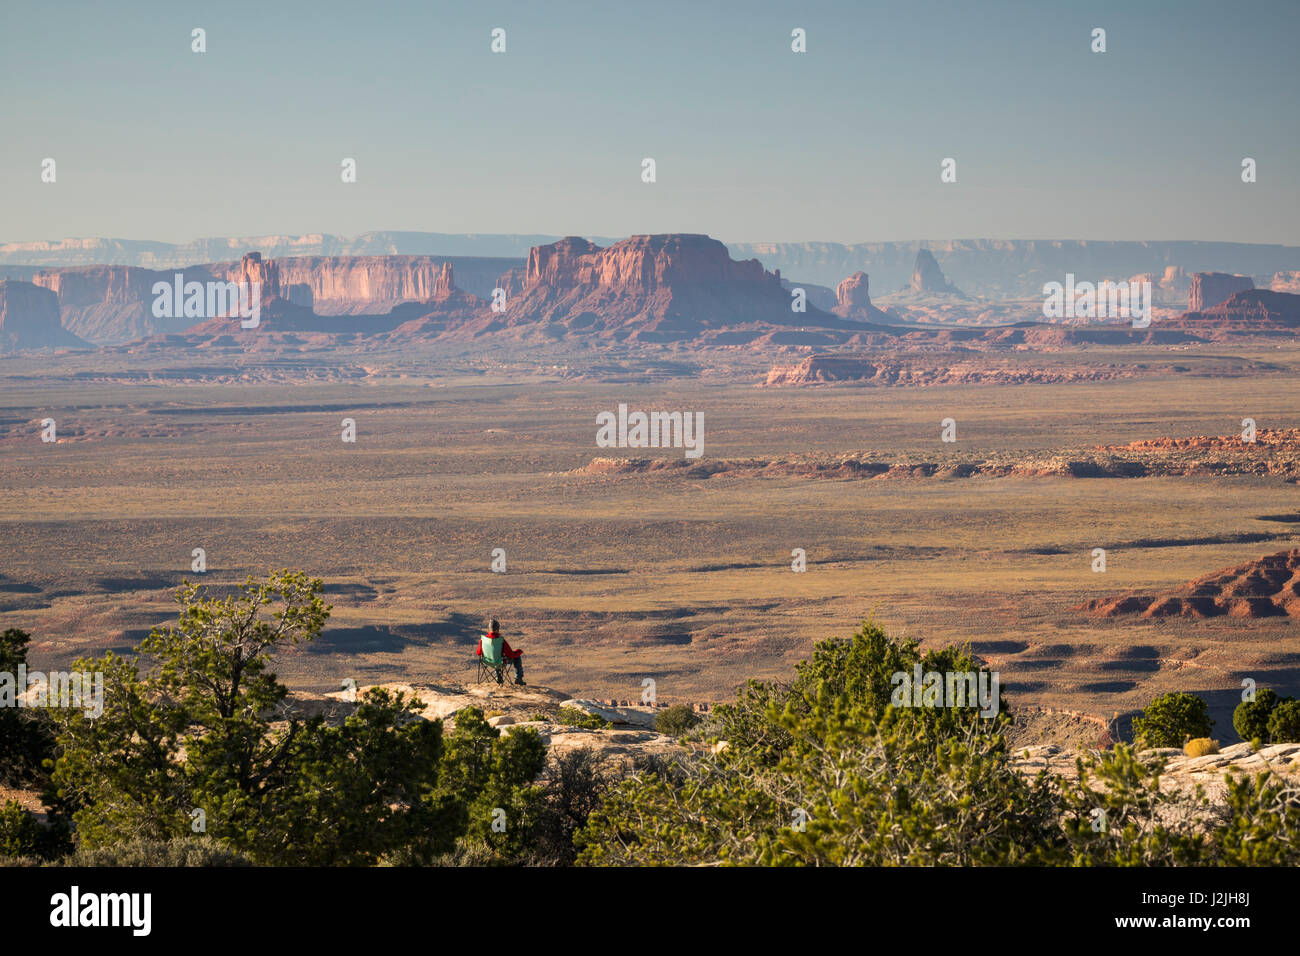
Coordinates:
(1266,587)
(29,319)
(532,707)
(1211,288)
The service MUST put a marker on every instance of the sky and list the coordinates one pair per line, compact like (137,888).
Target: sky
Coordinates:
(752,142)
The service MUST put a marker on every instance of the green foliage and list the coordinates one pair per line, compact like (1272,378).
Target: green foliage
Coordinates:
(206,730)
(1117,823)
(842,777)
(677,720)
(20,833)
(1171,719)
(577,717)
(1250,719)
(1284,722)
(1262,826)
(573,786)
(486,779)
(26,734)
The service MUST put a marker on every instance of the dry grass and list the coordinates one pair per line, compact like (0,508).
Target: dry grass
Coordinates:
(612,579)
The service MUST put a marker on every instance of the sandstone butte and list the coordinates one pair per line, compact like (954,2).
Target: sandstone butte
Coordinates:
(29,319)
(1210,288)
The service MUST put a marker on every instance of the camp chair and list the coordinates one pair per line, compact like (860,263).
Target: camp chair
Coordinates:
(492,662)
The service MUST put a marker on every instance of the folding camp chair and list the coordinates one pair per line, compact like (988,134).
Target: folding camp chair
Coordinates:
(491,662)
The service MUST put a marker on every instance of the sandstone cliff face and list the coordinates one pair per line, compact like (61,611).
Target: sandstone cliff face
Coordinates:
(659,288)
(29,319)
(1246,312)
(853,300)
(1211,288)
(365,284)
(113,304)
(109,304)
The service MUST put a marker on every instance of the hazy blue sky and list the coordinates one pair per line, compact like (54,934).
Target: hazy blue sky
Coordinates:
(753,142)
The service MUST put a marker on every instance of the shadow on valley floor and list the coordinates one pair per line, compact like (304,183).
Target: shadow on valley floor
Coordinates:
(462,629)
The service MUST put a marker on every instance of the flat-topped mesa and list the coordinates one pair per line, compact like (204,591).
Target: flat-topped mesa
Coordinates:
(1211,288)
(641,263)
(365,284)
(661,288)
(29,319)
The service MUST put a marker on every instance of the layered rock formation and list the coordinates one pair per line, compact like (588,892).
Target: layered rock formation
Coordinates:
(662,288)
(281,314)
(853,300)
(29,319)
(112,304)
(367,284)
(1249,312)
(108,304)
(1210,288)
(1266,587)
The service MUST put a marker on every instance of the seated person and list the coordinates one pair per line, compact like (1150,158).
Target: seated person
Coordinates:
(509,653)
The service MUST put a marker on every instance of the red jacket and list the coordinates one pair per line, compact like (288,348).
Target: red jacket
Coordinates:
(506,651)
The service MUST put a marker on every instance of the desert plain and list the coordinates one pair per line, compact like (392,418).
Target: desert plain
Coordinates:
(624,564)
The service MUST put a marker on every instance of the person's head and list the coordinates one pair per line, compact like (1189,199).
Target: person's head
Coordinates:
(495,628)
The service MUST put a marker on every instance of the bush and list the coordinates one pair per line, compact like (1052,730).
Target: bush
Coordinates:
(574,784)
(1250,719)
(20,833)
(23,836)
(1201,747)
(577,717)
(676,720)
(26,734)
(204,728)
(1171,719)
(1284,723)
(180,851)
